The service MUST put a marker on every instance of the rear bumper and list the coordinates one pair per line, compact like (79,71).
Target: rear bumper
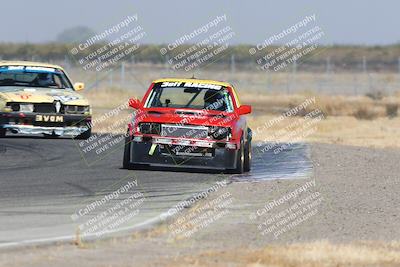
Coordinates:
(162,155)
(71,125)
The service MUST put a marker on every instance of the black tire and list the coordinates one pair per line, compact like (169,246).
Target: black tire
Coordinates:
(84,135)
(240,159)
(126,164)
(247,156)
(2,132)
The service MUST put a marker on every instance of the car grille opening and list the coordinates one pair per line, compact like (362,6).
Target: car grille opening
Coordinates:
(150,128)
(44,108)
(184,131)
(50,108)
(219,133)
(176,150)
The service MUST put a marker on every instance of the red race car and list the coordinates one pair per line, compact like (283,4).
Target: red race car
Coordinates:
(189,123)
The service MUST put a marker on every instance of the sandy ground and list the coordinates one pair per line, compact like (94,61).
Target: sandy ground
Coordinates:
(345,215)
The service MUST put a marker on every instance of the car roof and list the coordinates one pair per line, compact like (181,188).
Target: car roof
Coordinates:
(29,63)
(193,80)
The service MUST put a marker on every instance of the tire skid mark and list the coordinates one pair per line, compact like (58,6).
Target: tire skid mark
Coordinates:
(293,162)
(35,154)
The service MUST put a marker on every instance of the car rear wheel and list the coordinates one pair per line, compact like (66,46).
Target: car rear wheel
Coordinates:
(2,132)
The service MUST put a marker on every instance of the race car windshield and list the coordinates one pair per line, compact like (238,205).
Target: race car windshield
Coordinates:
(33,77)
(190,97)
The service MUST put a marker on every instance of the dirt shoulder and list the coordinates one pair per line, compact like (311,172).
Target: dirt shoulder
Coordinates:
(338,130)
(347,213)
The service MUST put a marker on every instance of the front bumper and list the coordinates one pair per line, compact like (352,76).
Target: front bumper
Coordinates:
(19,123)
(161,152)
(59,131)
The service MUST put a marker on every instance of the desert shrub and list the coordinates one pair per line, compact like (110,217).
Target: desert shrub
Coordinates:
(365,113)
(376,95)
(391,110)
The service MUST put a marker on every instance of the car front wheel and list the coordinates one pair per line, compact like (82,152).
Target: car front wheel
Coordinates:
(126,162)
(247,156)
(85,135)
(240,158)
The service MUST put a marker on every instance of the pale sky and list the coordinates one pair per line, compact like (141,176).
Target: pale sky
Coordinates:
(343,21)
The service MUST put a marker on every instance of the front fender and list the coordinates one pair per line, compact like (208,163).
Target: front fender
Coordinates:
(239,130)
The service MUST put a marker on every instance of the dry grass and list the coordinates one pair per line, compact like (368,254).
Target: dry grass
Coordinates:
(109,98)
(346,130)
(329,105)
(316,254)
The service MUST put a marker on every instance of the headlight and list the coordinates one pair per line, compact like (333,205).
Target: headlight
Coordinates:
(84,109)
(19,107)
(219,133)
(76,109)
(26,107)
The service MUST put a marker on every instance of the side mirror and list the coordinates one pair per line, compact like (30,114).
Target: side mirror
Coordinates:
(79,86)
(134,103)
(244,109)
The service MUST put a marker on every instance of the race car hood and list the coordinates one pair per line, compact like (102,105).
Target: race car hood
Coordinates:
(41,95)
(185,116)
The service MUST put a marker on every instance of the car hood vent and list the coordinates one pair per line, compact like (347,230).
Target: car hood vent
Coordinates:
(155,112)
(193,113)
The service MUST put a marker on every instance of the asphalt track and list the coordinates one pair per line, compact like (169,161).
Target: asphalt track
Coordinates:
(45,181)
